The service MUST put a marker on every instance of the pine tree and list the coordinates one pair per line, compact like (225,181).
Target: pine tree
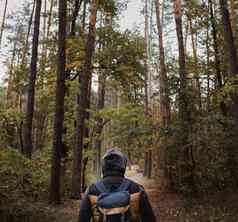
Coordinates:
(85,79)
(28,143)
(59,107)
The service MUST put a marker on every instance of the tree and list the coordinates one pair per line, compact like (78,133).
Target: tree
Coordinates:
(233,15)
(59,107)
(26,46)
(99,126)
(215,45)
(148,86)
(231,55)
(195,57)
(75,15)
(164,94)
(184,112)
(85,79)
(28,144)
(3,21)
(232,75)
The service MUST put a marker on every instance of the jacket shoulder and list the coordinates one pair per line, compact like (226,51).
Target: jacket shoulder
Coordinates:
(134,186)
(92,190)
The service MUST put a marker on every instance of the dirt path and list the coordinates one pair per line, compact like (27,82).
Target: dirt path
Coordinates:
(151,186)
(172,207)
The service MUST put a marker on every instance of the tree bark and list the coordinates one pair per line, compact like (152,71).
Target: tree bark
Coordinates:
(84,14)
(11,78)
(25,49)
(28,146)
(231,59)
(77,6)
(194,48)
(59,107)
(208,100)
(99,127)
(233,16)
(231,54)
(215,46)
(82,103)
(147,84)
(49,19)
(3,21)
(147,52)
(164,94)
(182,64)
(184,113)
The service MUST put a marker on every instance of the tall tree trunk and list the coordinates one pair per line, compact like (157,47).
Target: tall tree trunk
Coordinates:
(49,19)
(215,45)
(208,100)
(164,94)
(25,49)
(3,21)
(28,146)
(184,113)
(182,65)
(231,54)
(82,102)
(147,54)
(44,42)
(11,77)
(99,127)
(59,107)
(84,14)
(77,6)
(233,16)
(195,56)
(147,77)
(231,59)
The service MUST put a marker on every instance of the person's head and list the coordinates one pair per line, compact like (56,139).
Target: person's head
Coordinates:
(114,163)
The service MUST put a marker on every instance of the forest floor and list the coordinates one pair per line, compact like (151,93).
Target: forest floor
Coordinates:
(173,207)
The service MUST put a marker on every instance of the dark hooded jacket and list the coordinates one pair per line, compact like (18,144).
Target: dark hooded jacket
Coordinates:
(113,167)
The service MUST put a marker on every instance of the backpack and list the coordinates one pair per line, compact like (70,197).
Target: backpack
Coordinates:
(120,206)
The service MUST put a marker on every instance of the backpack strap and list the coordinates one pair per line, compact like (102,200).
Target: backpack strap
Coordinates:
(124,185)
(101,187)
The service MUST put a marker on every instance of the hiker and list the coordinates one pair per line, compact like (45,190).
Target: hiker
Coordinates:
(115,198)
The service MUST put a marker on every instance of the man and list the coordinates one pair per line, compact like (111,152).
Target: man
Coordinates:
(113,168)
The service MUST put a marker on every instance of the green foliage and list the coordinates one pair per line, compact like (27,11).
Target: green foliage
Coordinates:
(23,178)
(121,58)
(211,144)
(23,185)
(13,175)
(130,128)
(10,124)
(114,7)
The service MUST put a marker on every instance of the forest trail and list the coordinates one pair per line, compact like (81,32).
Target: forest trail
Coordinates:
(173,207)
(152,187)
(170,206)
(166,205)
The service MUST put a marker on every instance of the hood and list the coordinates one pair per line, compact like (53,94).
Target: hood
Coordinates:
(114,163)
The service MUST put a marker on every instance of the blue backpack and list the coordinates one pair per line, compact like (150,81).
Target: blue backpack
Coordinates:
(114,206)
